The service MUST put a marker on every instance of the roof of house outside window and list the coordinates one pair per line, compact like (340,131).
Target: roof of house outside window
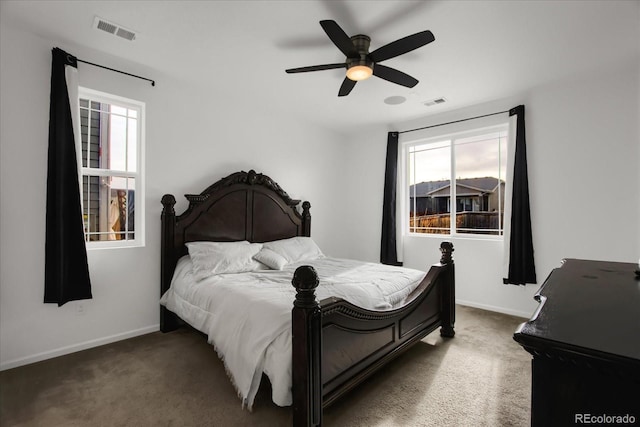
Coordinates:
(464,187)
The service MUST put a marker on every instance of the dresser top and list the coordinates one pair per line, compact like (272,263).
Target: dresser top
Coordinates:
(590,307)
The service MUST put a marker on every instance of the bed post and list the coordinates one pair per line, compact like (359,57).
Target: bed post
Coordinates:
(448,290)
(306,319)
(306,219)
(168,321)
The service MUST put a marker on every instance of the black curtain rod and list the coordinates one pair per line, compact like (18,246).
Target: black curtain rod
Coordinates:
(456,121)
(153,83)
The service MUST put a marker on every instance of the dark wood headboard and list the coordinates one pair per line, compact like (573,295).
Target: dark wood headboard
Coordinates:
(242,206)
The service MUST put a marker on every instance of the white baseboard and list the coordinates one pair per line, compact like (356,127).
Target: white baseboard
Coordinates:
(154,328)
(77,347)
(524,314)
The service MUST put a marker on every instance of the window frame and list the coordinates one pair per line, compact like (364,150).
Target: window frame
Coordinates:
(430,135)
(138,175)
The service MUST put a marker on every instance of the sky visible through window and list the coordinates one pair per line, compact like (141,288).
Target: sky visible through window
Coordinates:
(475,157)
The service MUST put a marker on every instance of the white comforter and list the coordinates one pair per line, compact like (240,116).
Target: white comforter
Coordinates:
(247,316)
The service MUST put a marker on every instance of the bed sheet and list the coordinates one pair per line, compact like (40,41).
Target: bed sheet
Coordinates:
(247,316)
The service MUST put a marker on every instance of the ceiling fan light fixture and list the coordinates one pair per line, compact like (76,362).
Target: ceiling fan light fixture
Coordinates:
(359,72)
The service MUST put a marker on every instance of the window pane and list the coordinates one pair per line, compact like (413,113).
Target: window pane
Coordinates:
(91,129)
(480,175)
(429,187)
(108,207)
(84,131)
(476,162)
(118,143)
(109,137)
(93,206)
(132,138)
(121,111)
(95,141)
(131,198)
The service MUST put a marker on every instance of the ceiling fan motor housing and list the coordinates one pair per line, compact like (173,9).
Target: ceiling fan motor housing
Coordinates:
(361,43)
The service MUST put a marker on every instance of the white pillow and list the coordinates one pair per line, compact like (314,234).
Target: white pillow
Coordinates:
(271,259)
(294,249)
(209,258)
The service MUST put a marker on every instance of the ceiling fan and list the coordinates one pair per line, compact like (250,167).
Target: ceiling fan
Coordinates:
(361,64)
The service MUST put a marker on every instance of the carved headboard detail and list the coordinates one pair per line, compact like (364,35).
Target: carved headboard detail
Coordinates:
(242,206)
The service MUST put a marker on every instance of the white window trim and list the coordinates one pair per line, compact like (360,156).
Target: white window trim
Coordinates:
(464,129)
(139,240)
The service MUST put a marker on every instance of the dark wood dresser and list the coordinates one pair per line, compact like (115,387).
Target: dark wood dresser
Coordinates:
(585,342)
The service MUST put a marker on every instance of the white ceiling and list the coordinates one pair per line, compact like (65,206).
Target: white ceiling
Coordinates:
(483,50)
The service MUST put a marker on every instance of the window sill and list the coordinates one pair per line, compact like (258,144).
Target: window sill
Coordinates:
(476,237)
(114,244)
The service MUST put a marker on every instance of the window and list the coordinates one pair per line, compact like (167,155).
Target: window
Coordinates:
(112,130)
(475,160)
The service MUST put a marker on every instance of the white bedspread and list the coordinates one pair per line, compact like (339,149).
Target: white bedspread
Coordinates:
(247,316)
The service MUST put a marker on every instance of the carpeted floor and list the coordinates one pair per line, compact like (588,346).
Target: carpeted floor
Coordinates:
(479,378)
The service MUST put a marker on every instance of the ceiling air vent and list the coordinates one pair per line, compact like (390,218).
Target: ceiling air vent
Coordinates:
(112,28)
(435,102)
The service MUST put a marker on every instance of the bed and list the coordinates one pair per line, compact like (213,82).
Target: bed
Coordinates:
(334,344)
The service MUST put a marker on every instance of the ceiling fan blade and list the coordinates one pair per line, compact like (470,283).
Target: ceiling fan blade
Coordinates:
(347,85)
(394,76)
(316,68)
(339,38)
(402,46)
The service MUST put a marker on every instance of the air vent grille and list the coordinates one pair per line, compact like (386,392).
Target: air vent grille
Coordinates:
(126,34)
(112,28)
(435,102)
(105,26)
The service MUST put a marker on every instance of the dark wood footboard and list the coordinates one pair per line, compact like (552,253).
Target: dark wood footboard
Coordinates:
(337,345)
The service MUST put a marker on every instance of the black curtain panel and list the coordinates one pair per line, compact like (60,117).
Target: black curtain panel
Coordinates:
(66,267)
(388,251)
(521,267)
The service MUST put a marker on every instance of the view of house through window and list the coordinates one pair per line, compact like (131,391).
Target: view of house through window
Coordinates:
(476,162)
(111,172)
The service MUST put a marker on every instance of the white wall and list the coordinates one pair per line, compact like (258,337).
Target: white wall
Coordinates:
(583,147)
(194,138)
(583,144)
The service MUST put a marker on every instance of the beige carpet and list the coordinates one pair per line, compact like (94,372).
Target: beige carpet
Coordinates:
(479,378)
